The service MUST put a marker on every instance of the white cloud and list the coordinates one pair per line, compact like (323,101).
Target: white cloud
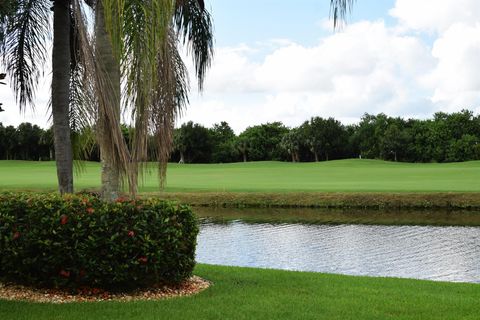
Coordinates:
(456,80)
(435,15)
(365,68)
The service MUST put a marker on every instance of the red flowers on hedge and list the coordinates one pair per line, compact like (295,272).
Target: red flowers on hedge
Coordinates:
(65,274)
(90,210)
(63,219)
(54,242)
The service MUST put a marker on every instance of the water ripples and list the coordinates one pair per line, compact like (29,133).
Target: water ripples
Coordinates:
(422,252)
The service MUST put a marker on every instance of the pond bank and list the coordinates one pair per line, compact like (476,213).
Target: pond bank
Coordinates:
(339,200)
(404,217)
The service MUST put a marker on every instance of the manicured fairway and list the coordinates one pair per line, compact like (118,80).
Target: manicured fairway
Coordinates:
(241,293)
(333,176)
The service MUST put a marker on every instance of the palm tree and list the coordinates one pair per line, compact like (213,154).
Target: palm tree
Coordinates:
(25,31)
(138,37)
(291,143)
(61,95)
(339,10)
(145,36)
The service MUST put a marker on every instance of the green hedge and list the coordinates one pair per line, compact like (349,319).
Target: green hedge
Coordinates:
(75,241)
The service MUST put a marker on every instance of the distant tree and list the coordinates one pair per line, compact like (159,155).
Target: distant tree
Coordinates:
(28,141)
(10,143)
(2,142)
(242,144)
(324,137)
(223,143)
(334,136)
(369,134)
(352,149)
(46,145)
(392,141)
(179,144)
(291,143)
(464,149)
(264,141)
(416,136)
(194,143)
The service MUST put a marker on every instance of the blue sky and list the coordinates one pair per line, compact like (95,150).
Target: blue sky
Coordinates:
(260,21)
(279,60)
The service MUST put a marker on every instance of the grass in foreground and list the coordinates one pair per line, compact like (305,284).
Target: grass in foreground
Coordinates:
(244,293)
(333,176)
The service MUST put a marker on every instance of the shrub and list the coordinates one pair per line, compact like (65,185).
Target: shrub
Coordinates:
(74,241)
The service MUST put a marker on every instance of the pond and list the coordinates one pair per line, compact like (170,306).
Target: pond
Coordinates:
(444,253)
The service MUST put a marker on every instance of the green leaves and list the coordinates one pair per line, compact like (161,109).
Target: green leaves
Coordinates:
(94,249)
(24,33)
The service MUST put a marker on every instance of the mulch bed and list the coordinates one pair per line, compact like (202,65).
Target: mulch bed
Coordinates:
(191,286)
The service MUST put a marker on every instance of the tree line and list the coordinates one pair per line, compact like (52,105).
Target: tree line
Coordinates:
(444,138)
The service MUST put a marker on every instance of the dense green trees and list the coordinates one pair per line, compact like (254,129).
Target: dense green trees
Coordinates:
(263,141)
(193,144)
(444,138)
(26,142)
(324,137)
(223,143)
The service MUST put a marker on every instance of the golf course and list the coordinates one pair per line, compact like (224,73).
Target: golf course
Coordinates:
(340,183)
(249,293)
(329,176)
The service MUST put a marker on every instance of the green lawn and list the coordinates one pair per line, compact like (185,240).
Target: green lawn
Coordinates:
(242,293)
(333,176)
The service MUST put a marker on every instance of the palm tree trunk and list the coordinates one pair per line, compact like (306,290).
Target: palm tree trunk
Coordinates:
(104,51)
(60,95)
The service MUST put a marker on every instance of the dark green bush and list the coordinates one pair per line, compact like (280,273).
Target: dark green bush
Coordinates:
(74,241)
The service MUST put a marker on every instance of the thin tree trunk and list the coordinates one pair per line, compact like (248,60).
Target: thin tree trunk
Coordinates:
(110,174)
(326,156)
(293,157)
(244,157)
(60,95)
(316,156)
(182,158)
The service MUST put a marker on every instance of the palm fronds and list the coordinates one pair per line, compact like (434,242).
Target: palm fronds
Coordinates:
(140,39)
(339,10)
(23,47)
(194,25)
